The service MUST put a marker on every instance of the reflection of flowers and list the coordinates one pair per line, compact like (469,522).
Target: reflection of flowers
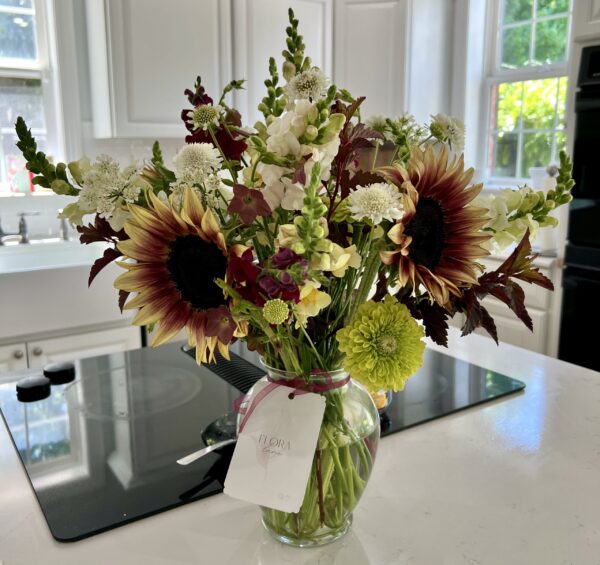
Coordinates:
(382,345)
(177,258)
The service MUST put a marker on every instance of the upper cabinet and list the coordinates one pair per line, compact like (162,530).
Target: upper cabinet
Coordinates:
(370,49)
(586,19)
(259,31)
(145,53)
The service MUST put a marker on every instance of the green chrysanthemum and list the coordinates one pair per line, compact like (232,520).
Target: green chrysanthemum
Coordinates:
(382,345)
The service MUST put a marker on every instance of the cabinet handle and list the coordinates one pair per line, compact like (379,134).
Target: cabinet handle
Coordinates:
(37,351)
(18,354)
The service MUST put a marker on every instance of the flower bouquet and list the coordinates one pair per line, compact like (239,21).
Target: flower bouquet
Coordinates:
(285,236)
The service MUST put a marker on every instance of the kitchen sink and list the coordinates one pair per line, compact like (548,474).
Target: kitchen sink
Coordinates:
(50,253)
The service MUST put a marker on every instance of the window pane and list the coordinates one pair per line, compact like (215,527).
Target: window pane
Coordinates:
(537,151)
(515,46)
(17,36)
(21,97)
(505,155)
(510,95)
(17,3)
(517,10)
(550,7)
(551,40)
(561,143)
(539,103)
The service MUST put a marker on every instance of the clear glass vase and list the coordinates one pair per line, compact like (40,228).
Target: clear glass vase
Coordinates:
(342,463)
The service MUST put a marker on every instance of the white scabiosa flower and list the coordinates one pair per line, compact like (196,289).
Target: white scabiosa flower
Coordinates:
(195,162)
(106,189)
(448,129)
(204,116)
(308,85)
(376,202)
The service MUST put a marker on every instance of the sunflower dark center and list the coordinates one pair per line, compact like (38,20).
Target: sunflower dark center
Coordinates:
(427,231)
(194,265)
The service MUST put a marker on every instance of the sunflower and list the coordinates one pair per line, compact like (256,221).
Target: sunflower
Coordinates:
(177,257)
(438,239)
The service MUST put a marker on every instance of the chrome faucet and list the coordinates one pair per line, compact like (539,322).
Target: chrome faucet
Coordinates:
(23,231)
(64,226)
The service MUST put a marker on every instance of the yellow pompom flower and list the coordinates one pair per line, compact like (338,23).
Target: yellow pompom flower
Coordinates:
(275,311)
(383,345)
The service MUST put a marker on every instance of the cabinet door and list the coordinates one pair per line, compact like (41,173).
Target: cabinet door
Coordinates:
(586,19)
(371,43)
(259,31)
(83,345)
(145,53)
(13,357)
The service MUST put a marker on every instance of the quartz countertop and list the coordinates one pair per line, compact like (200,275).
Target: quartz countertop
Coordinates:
(515,481)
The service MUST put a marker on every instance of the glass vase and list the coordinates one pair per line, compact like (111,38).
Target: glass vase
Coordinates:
(342,463)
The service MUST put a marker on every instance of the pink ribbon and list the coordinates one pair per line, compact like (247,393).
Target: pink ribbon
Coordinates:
(300,386)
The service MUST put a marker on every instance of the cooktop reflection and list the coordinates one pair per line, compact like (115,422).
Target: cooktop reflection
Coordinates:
(101,451)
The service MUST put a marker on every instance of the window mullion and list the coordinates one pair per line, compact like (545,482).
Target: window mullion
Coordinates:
(520,133)
(532,37)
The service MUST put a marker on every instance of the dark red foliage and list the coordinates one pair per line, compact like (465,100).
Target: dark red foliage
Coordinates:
(498,284)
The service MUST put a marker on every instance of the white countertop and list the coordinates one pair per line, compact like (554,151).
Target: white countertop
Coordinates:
(515,481)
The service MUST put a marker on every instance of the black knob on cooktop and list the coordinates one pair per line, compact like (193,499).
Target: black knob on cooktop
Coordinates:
(34,388)
(60,373)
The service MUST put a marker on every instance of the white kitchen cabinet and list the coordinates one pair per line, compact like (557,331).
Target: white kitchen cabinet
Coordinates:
(586,19)
(259,32)
(78,346)
(13,357)
(371,53)
(144,53)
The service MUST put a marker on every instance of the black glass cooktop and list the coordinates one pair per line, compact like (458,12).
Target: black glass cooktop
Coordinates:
(101,451)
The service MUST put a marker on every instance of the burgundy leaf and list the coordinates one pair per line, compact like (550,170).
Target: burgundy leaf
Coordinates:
(109,256)
(433,315)
(100,230)
(123,294)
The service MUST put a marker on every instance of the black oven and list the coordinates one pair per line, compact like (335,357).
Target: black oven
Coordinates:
(581,278)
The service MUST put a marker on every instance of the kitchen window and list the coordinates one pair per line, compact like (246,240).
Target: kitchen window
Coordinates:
(527,87)
(27,87)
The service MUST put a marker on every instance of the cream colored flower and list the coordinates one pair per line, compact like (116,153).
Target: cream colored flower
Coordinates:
(448,129)
(312,301)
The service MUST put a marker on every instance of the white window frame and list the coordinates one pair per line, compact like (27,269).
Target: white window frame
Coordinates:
(46,70)
(495,75)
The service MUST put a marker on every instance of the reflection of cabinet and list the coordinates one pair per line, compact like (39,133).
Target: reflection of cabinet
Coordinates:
(53,350)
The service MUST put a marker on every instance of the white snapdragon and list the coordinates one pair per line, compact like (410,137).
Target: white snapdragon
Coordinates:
(448,129)
(376,202)
(307,85)
(195,162)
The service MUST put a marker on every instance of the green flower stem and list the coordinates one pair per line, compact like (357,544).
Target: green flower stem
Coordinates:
(345,466)
(225,159)
(368,278)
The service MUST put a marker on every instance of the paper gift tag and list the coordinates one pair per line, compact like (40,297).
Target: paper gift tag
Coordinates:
(274,452)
